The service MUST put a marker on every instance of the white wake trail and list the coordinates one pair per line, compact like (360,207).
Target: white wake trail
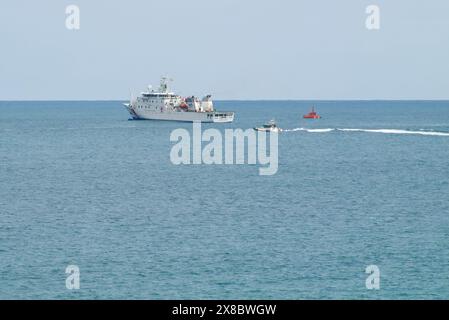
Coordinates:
(385,131)
(398,131)
(310,130)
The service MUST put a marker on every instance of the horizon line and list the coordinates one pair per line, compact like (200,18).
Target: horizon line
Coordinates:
(119,100)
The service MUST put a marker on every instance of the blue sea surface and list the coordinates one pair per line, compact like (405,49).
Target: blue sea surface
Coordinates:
(82,185)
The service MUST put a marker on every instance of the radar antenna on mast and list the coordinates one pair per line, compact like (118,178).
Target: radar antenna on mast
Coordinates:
(164,84)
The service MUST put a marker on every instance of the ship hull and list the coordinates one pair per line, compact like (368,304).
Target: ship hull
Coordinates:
(182,116)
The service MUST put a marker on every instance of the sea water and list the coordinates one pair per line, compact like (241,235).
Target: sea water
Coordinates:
(368,184)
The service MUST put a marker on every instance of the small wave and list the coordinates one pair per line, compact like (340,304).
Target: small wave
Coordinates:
(93,128)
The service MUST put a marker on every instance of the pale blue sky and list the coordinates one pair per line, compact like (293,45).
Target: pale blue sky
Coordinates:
(233,49)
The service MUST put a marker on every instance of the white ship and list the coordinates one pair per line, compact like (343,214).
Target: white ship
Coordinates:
(165,105)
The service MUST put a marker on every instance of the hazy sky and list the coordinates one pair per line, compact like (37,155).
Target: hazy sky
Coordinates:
(233,49)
